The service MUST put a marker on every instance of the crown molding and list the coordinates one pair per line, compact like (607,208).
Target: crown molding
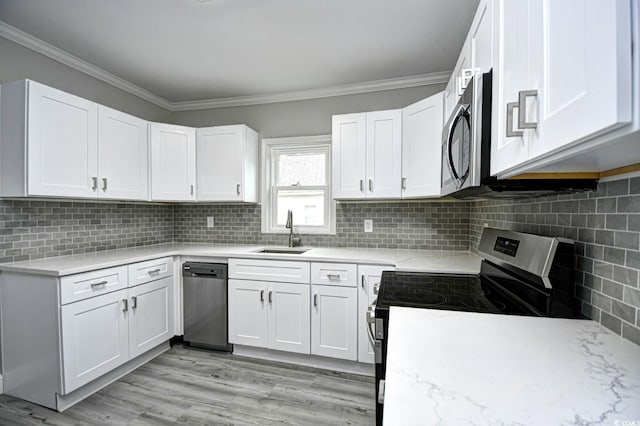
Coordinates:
(30,42)
(27,40)
(326,92)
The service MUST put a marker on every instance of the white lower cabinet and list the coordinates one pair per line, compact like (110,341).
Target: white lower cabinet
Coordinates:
(369,278)
(288,317)
(269,315)
(247,313)
(150,315)
(334,325)
(94,338)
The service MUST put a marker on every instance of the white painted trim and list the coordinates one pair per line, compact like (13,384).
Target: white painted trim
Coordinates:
(18,36)
(325,363)
(346,89)
(266,162)
(30,42)
(1,385)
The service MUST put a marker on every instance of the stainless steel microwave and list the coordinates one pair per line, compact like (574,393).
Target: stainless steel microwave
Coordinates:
(466,153)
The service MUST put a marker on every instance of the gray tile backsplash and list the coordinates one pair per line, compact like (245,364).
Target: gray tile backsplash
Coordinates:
(38,229)
(606,227)
(408,225)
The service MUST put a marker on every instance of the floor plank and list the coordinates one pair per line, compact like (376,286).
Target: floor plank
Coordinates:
(196,387)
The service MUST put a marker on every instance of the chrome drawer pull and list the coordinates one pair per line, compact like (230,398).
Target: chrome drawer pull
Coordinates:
(154,271)
(134,302)
(125,303)
(262,295)
(100,284)
(333,276)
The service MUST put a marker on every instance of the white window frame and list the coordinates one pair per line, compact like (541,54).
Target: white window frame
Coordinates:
(269,150)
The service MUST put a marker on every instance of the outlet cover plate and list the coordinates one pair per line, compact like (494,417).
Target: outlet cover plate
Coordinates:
(209,221)
(368,225)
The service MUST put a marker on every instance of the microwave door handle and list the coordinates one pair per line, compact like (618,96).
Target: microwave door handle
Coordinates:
(452,167)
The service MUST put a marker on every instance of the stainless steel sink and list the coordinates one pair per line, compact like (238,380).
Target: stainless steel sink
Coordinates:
(284,250)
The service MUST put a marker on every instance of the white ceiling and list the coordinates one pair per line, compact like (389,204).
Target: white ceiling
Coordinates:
(187,50)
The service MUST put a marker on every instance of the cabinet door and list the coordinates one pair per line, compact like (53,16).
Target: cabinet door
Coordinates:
(582,53)
(123,155)
(384,154)
(348,155)
(463,70)
(334,322)
(173,163)
(512,38)
(220,163)
(289,317)
(62,145)
(248,313)
(151,315)
(94,338)
(481,38)
(369,278)
(450,98)
(421,143)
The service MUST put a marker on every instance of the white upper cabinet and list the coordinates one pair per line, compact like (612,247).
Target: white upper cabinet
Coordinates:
(227,162)
(562,76)
(173,163)
(123,155)
(59,145)
(421,143)
(481,38)
(366,155)
(348,160)
(58,136)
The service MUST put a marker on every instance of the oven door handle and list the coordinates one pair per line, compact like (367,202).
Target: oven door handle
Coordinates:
(370,320)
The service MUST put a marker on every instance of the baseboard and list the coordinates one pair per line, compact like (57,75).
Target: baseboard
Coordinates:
(315,361)
(65,401)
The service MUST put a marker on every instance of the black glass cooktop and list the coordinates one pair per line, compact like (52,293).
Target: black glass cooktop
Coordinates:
(468,293)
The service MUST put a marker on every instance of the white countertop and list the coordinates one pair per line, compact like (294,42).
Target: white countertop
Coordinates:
(451,368)
(404,260)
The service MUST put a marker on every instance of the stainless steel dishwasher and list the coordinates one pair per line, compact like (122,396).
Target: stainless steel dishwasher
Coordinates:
(205,305)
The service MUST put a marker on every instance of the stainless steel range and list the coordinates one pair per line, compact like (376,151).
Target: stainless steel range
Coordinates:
(521,274)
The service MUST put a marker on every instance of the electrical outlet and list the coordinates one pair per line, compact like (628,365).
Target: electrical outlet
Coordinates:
(368,225)
(209,221)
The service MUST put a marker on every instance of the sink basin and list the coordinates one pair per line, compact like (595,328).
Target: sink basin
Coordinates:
(284,250)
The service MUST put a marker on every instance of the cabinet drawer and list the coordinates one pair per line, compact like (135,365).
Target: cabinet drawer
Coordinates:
(269,270)
(340,274)
(90,284)
(151,270)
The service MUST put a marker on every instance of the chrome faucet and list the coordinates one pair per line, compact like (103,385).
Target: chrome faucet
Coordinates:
(289,226)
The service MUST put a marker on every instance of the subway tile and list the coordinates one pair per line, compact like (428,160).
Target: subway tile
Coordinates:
(623,311)
(629,204)
(612,289)
(628,240)
(602,269)
(619,187)
(631,333)
(634,222)
(604,237)
(616,221)
(634,185)
(612,323)
(614,255)
(607,205)
(626,276)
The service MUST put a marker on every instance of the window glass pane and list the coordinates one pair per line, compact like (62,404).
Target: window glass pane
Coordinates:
(307,169)
(307,207)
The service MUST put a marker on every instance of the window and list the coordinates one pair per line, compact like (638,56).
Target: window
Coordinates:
(297,177)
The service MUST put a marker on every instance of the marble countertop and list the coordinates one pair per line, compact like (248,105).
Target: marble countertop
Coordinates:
(404,260)
(448,367)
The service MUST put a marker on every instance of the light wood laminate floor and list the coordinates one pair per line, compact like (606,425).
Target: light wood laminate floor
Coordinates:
(194,387)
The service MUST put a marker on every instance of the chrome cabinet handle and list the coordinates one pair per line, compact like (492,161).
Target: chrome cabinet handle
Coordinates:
(238,189)
(270,297)
(370,321)
(262,296)
(104,184)
(370,185)
(154,271)
(403,183)
(100,284)
(125,304)
(522,109)
(315,300)
(134,302)
(362,281)
(333,276)
(94,187)
(191,189)
(510,132)
(361,185)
